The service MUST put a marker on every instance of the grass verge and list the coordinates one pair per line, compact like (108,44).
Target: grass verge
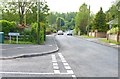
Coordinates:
(110,41)
(19,42)
(86,36)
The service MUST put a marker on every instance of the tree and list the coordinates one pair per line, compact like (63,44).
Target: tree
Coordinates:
(60,22)
(112,13)
(100,21)
(81,19)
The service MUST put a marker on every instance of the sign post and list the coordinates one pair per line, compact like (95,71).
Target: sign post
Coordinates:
(14,34)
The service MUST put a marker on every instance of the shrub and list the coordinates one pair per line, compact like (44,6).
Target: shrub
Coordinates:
(113,30)
(34,33)
(8,26)
(48,31)
(54,31)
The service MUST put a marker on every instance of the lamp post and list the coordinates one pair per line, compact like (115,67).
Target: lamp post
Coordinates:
(38,20)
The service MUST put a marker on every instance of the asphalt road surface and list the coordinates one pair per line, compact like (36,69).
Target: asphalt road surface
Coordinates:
(76,58)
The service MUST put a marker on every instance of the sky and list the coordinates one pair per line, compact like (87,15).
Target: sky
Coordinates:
(64,6)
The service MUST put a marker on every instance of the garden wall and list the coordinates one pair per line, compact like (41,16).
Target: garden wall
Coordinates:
(114,37)
(98,34)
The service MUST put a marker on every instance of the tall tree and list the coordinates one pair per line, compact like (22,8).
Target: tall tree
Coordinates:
(81,19)
(100,21)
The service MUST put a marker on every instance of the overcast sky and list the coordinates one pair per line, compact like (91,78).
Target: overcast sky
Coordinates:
(73,5)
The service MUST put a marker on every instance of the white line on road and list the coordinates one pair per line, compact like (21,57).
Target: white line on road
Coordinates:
(55,67)
(25,73)
(2,49)
(19,47)
(56,72)
(66,65)
(54,64)
(33,73)
(70,72)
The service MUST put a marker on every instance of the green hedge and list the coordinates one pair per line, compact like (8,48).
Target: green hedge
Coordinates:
(7,26)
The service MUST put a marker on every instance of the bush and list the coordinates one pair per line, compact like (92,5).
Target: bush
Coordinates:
(34,33)
(48,31)
(54,31)
(8,26)
(113,30)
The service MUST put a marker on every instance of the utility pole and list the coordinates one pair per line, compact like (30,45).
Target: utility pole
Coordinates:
(38,20)
(88,22)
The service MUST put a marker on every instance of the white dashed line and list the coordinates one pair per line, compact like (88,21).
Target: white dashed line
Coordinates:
(56,67)
(73,76)
(54,64)
(65,64)
(70,72)
(56,72)
(67,67)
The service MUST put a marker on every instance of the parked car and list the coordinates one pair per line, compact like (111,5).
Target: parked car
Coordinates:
(60,32)
(69,32)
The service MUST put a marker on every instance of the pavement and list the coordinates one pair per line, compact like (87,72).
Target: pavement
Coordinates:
(11,51)
(97,40)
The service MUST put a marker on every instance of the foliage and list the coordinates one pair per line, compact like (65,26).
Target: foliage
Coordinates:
(8,26)
(100,21)
(34,33)
(109,41)
(48,31)
(69,21)
(60,22)
(112,13)
(113,30)
(81,19)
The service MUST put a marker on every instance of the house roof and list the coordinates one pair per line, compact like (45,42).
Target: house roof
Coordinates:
(115,21)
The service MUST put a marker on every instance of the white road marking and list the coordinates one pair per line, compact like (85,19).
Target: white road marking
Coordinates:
(19,47)
(25,73)
(73,76)
(54,61)
(2,49)
(54,58)
(50,45)
(56,67)
(56,72)
(54,64)
(65,64)
(67,67)
(70,72)
(33,73)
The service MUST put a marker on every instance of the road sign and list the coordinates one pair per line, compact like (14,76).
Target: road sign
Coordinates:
(14,34)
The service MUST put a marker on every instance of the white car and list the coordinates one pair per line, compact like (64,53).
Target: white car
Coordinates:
(69,32)
(60,32)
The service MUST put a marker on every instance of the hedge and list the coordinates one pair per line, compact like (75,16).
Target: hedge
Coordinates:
(7,26)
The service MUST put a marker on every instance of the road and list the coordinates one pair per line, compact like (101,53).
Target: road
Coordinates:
(76,58)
